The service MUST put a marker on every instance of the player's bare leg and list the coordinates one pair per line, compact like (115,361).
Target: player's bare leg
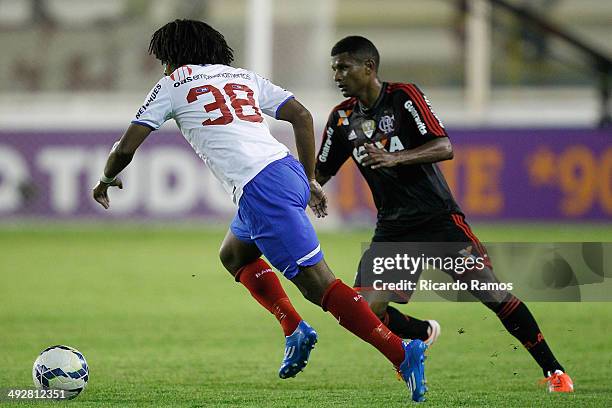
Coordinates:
(243,261)
(313,281)
(319,285)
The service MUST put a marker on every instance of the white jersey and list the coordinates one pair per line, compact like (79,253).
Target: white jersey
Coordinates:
(218,110)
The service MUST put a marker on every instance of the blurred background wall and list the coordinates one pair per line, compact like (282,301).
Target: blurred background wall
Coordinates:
(522,107)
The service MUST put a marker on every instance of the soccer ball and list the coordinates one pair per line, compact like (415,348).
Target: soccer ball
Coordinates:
(61,368)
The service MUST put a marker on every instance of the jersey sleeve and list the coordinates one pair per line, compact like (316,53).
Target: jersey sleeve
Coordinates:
(333,152)
(271,97)
(419,113)
(156,108)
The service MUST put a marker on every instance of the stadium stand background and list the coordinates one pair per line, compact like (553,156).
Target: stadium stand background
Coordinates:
(76,70)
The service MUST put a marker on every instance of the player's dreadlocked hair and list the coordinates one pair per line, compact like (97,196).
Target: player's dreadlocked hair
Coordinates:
(359,47)
(182,42)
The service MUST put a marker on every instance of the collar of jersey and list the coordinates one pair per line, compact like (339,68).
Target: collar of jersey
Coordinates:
(364,110)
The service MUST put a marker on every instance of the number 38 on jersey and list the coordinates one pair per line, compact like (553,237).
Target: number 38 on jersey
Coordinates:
(241,101)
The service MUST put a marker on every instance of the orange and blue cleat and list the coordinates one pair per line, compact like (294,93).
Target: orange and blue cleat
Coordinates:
(559,382)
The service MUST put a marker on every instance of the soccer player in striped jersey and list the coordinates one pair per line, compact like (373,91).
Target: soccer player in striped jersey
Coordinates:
(218,109)
(395,138)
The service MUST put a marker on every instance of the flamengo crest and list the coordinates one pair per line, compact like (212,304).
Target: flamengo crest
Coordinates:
(387,124)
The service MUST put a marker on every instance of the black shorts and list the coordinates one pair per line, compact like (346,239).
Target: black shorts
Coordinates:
(445,228)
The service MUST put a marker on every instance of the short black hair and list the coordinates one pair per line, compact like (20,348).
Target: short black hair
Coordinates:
(357,46)
(182,42)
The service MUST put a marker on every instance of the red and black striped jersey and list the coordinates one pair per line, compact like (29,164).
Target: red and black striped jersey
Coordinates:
(401,118)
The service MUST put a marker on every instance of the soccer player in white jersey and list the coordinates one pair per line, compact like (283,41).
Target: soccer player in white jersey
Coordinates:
(219,109)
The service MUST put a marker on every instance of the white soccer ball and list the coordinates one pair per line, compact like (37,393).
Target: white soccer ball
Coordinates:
(61,368)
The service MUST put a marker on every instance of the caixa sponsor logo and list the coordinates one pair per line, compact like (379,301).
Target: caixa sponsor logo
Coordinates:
(150,99)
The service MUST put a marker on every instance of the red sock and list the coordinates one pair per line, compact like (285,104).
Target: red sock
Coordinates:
(265,287)
(353,313)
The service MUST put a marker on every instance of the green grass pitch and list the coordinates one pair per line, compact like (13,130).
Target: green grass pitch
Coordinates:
(162,324)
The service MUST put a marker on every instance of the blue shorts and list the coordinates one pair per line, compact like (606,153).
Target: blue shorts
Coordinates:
(271,214)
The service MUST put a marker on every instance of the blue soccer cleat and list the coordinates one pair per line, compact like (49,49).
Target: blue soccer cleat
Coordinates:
(412,369)
(297,350)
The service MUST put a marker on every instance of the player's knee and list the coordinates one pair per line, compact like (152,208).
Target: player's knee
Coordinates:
(314,290)
(492,298)
(314,296)
(229,259)
(313,281)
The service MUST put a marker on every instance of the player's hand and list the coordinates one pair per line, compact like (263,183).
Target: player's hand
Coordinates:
(100,192)
(378,157)
(318,200)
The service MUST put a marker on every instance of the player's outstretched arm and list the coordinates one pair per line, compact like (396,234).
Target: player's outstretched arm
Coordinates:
(301,120)
(436,150)
(120,156)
